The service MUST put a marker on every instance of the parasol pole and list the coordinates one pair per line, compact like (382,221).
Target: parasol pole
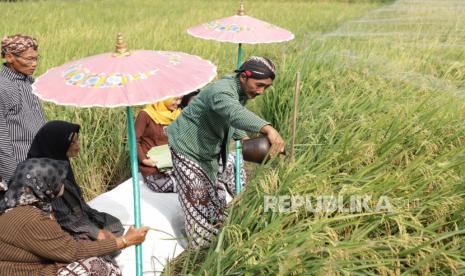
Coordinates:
(239,54)
(238,142)
(135,184)
(122,50)
(240,12)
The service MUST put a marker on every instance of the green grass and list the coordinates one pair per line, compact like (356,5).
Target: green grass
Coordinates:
(381,113)
(69,30)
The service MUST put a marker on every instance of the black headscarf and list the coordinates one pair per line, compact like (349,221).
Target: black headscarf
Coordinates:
(53,140)
(36,182)
(185,99)
(71,211)
(258,68)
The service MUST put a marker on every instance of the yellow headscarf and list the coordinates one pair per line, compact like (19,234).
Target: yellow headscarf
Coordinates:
(160,113)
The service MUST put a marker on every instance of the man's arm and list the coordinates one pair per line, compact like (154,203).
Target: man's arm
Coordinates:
(225,105)
(8,161)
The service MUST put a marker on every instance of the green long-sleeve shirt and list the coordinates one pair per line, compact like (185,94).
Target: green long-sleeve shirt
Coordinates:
(203,130)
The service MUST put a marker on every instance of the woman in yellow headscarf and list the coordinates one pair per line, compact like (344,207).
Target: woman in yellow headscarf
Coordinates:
(164,112)
(150,132)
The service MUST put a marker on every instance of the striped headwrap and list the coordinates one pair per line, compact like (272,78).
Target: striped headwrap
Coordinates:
(18,43)
(258,68)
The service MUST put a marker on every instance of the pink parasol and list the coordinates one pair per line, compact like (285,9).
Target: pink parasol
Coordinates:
(241,28)
(125,78)
(111,80)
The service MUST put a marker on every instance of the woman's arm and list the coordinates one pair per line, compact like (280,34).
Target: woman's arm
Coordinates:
(142,121)
(44,237)
(140,126)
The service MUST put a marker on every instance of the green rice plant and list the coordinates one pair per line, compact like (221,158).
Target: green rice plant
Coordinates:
(377,119)
(69,30)
(380,115)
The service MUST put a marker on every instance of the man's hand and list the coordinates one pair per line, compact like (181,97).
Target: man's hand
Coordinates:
(277,143)
(245,138)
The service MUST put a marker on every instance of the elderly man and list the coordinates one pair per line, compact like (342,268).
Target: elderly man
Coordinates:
(199,137)
(21,113)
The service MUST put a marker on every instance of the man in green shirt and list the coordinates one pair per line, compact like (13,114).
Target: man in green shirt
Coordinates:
(199,138)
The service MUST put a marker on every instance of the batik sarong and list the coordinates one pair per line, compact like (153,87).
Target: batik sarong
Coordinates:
(166,183)
(94,266)
(161,182)
(202,201)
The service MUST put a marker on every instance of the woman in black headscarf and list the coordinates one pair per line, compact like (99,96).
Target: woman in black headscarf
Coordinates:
(31,241)
(59,140)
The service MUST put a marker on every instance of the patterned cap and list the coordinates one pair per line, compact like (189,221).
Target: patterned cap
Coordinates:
(18,43)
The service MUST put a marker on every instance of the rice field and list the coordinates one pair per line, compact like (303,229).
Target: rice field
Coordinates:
(69,30)
(381,117)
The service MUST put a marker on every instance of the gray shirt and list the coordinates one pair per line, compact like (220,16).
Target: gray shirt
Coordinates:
(21,116)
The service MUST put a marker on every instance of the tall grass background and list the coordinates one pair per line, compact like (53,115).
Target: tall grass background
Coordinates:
(381,113)
(69,30)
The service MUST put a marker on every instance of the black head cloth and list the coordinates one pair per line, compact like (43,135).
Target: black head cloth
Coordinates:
(53,140)
(258,68)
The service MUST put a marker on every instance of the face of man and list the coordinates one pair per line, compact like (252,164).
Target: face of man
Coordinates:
(25,63)
(253,87)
